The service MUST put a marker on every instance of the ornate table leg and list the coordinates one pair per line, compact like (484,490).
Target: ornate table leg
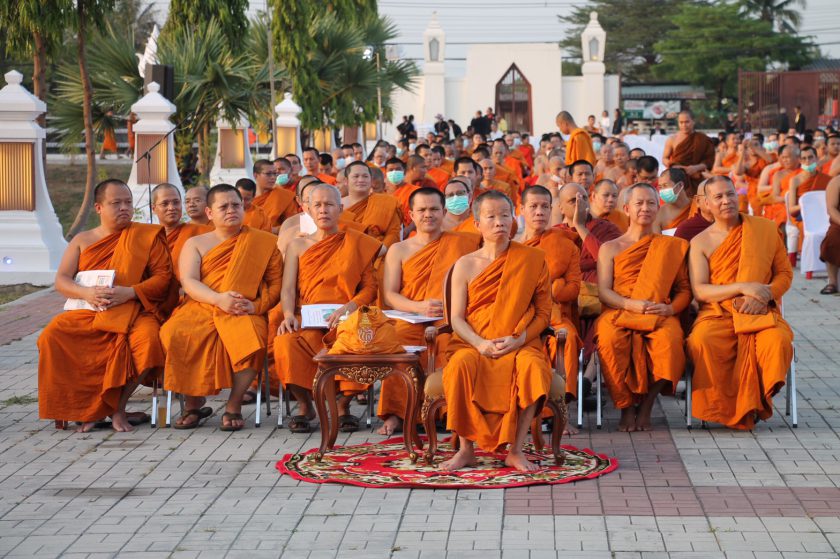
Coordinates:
(410,423)
(328,422)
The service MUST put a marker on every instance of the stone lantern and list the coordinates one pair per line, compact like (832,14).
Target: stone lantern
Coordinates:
(288,127)
(433,93)
(31,241)
(153,111)
(593,45)
(233,153)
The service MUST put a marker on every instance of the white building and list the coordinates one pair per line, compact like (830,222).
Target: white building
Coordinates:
(522,82)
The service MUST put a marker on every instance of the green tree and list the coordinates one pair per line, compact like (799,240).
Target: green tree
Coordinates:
(632,26)
(192,15)
(705,48)
(780,14)
(293,45)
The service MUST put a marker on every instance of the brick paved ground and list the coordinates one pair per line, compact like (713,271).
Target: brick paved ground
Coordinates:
(709,493)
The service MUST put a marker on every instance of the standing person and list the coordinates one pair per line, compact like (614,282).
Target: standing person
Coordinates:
(579,144)
(799,120)
(618,123)
(606,124)
(784,121)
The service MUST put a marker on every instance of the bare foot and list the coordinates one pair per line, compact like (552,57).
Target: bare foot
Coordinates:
(628,420)
(518,461)
(393,424)
(85,427)
(569,430)
(233,409)
(120,422)
(463,458)
(643,422)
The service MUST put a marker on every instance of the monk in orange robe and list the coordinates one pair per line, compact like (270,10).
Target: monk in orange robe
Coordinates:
(563,260)
(726,158)
(378,213)
(458,193)
(415,270)
(276,201)
(830,246)
(497,377)
(500,153)
(774,199)
(752,159)
(527,150)
(216,338)
(489,182)
(740,344)
(692,151)
(435,170)
(603,204)
(311,160)
(415,179)
(255,216)
(831,165)
(90,361)
(677,203)
(195,201)
(579,144)
(326,267)
(643,284)
(810,179)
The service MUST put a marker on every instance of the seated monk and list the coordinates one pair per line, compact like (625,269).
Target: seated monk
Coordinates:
(621,155)
(563,260)
(166,205)
(497,377)
(291,227)
(697,223)
(508,169)
(196,202)
(216,338)
(740,344)
(752,159)
(830,246)
(311,162)
(255,216)
(458,217)
(772,197)
(489,182)
(377,182)
(414,275)
(294,169)
(691,151)
(673,191)
(436,158)
(643,285)
(831,165)
(415,178)
(582,173)
(811,179)
(727,157)
(379,214)
(273,197)
(603,204)
(327,266)
(90,361)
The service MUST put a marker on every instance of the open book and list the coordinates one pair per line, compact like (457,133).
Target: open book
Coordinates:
(410,317)
(90,278)
(315,316)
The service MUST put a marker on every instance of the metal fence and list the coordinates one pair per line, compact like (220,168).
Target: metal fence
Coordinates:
(762,94)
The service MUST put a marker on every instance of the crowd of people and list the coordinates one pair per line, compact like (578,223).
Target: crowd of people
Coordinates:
(650,264)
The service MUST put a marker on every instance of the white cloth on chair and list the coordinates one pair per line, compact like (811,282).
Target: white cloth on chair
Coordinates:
(814,225)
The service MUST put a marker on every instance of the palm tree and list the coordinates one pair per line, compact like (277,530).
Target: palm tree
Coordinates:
(784,15)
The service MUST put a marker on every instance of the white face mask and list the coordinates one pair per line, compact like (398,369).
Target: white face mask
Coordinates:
(565,136)
(556,178)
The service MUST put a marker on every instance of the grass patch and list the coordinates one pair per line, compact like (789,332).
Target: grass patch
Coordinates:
(9,293)
(19,401)
(66,185)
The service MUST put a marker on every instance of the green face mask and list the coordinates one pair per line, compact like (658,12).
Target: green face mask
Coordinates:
(458,204)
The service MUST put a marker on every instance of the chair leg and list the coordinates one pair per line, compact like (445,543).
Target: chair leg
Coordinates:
(580,390)
(370,407)
(258,403)
(792,383)
(597,389)
(688,376)
(267,379)
(169,408)
(281,397)
(154,421)
(431,432)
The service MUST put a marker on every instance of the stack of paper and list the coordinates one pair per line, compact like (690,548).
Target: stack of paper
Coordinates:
(90,278)
(410,317)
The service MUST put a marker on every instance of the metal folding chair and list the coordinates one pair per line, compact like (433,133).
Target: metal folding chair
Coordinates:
(598,411)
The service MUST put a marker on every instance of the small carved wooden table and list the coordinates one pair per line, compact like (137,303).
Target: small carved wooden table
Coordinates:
(366,369)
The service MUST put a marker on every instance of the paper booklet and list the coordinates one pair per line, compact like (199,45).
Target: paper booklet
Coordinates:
(90,278)
(410,317)
(315,316)
(307,224)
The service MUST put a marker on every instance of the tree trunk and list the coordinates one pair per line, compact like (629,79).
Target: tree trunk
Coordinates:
(204,152)
(90,140)
(39,84)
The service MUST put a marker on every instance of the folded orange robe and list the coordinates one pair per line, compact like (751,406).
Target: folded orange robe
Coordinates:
(728,160)
(484,396)
(579,147)
(278,203)
(740,361)
(337,269)
(256,218)
(563,260)
(639,349)
(204,345)
(87,357)
(467,226)
(448,166)
(380,215)
(423,276)
(695,149)
(516,163)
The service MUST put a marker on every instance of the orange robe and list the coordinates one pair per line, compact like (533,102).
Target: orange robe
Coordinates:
(423,276)
(380,215)
(448,166)
(687,212)
(204,345)
(777,211)
(617,218)
(324,177)
(278,203)
(87,357)
(695,149)
(467,226)
(579,147)
(508,175)
(728,160)
(752,176)
(527,151)
(439,176)
(175,240)
(563,259)
(635,346)
(504,188)
(740,361)
(337,269)
(256,218)
(402,194)
(516,163)
(484,396)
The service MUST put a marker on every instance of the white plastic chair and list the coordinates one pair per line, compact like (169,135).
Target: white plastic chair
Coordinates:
(814,225)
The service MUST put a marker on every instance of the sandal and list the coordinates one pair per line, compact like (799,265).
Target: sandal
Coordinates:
(299,424)
(348,423)
(231,417)
(200,414)
(829,290)
(249,398)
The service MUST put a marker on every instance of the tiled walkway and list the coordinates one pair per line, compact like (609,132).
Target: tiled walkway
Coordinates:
(712,493)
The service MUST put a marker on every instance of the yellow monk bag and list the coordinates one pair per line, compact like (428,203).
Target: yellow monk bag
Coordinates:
(588,302)
(366,331)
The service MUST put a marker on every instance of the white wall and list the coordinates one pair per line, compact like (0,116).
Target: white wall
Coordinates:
(574,97)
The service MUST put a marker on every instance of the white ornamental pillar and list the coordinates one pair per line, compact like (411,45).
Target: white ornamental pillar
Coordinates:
(434,72)
(153,111)
(288,127)
(31,240)
(233,153)
(593,45)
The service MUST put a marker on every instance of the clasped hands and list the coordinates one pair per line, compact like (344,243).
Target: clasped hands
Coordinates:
(234,303)
(648,307)
(756,298)
(103,298)
(499,347)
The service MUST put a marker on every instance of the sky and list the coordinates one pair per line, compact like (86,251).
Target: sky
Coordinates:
(528,21)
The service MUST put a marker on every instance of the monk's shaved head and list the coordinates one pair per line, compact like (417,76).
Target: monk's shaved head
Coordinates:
(488,196)
(628,194)
(164,187)
(535,190)
(219,189)
(603,185)
(571,188)
(322,187)
(101,189)
(304,182)
(415,161)
(715,180)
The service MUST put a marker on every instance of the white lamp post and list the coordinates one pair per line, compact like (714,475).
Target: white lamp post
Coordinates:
(288,127)
(233,154)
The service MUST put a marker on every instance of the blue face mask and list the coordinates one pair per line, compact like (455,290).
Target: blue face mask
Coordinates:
(668,195)
(282,179)
(810,168)
(341,163)
(395,177)
(458,204)
(400,151)
(596,146)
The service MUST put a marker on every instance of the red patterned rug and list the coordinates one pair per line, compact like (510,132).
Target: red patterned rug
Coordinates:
(385,464)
